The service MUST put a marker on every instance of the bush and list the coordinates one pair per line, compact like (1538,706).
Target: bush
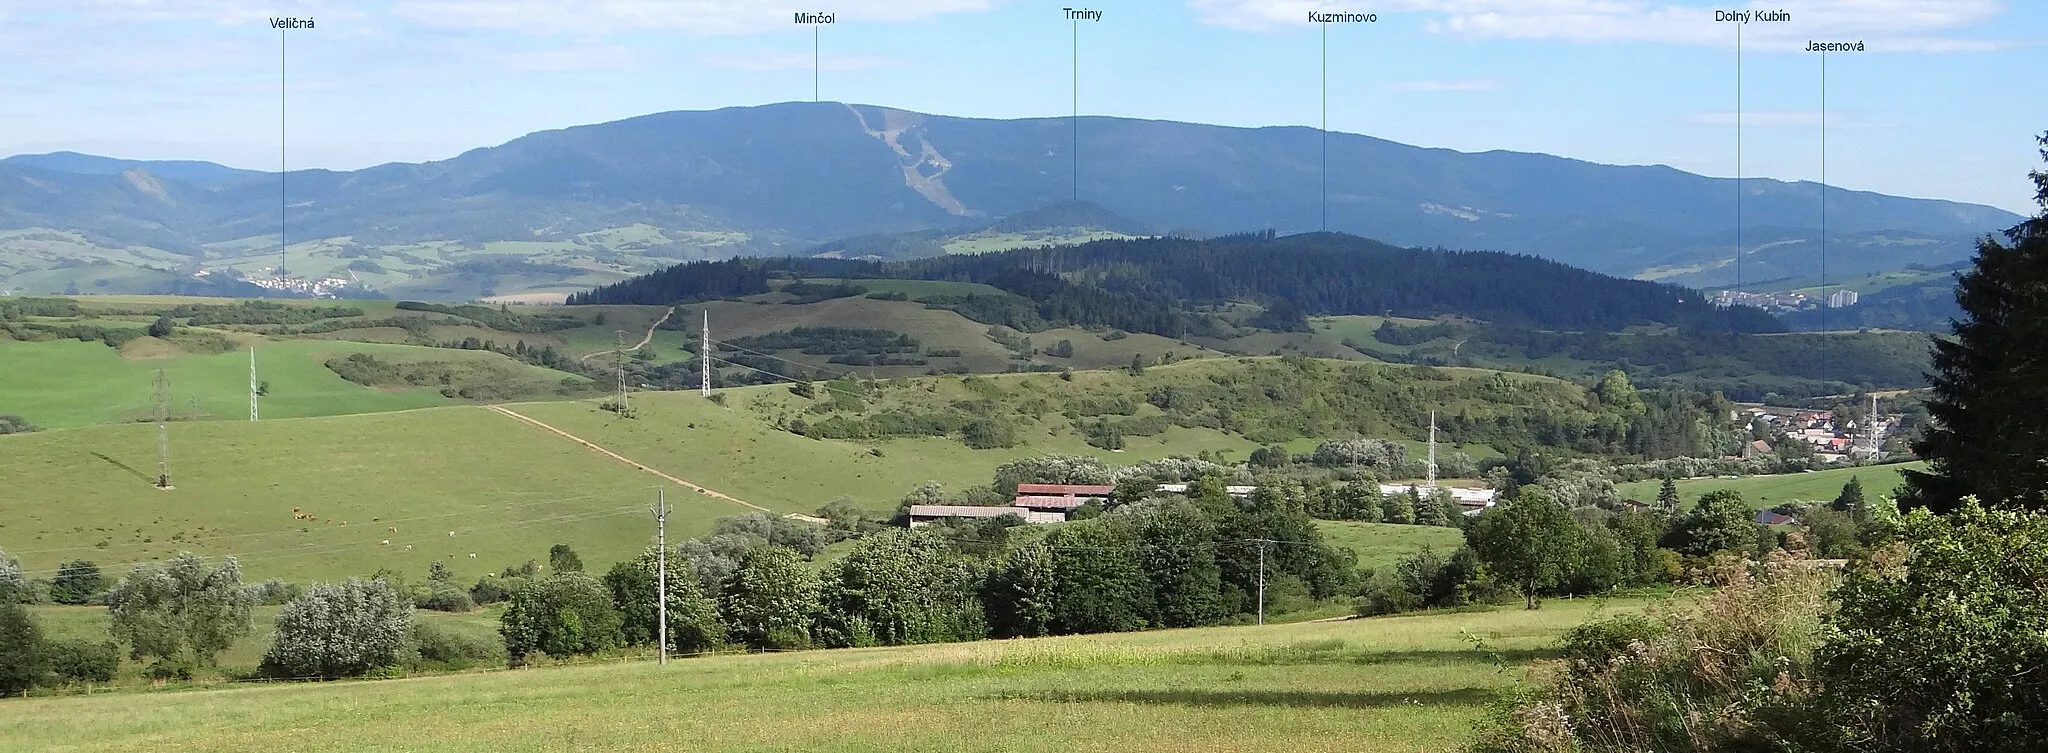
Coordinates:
(340,630)
(83,661)
(446,598)
(439,648)
(495,589)
(274,592)
(1941,652)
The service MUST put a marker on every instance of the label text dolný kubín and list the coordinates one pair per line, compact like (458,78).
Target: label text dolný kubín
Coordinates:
(1748,16)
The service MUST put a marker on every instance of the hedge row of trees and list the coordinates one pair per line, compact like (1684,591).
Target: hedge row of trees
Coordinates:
(1153,563)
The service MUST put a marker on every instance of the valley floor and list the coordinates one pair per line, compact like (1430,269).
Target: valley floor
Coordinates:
(1390,684)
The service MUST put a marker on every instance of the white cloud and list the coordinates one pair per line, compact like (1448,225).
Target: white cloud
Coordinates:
(1458,85)
(1887,25)
(772,60)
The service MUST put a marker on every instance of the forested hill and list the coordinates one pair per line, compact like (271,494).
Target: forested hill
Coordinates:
(1165,285)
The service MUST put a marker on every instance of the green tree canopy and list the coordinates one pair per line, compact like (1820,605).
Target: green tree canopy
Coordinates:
(183,609)
(768,602)
(564,614)
(900,587)
(693,624)
(340,630)
(1721,522)
(1530,542)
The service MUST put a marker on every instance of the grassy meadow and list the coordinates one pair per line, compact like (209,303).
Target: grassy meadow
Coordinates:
(1411,683)
(505,490)
(1380,545)
(69,383)
(1769,491)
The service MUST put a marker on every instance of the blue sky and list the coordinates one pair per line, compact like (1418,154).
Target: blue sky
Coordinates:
(1944,104)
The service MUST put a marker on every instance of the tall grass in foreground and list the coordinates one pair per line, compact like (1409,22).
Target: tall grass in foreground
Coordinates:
(1729,671)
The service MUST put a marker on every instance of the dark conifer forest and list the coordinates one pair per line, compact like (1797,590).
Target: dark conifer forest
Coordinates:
(1167,286)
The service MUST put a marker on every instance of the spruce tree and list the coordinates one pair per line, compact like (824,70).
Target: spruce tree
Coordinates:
(1990,403)
(1667,495)
(1851,498)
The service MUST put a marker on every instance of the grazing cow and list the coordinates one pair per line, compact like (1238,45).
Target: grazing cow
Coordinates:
(386,542)
(393,529)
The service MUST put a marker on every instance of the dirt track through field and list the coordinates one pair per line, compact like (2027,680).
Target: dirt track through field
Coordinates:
(643,341)
(628,461)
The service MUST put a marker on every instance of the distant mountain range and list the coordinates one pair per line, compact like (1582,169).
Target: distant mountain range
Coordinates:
(566,209)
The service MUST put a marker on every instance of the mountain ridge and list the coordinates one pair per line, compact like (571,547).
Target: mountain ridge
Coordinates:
(791,176)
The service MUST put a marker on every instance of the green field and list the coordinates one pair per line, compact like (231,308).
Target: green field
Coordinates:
(1380,545)
(507,491)
(1390,684)
(70,383)
(1768,491)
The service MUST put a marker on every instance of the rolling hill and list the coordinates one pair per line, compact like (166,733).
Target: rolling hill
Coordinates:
(569,208)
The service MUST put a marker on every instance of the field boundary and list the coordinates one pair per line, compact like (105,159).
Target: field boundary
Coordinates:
(718,495)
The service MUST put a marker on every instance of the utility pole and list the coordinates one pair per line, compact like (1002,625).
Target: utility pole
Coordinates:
(1262,578)
(619,363)
(252,383)
(163,431)
(704,357)
(661,571)
(1432,450)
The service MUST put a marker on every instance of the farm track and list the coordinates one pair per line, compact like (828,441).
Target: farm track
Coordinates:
(628,461)
(643,341)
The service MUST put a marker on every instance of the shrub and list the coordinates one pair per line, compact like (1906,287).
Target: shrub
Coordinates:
(445,598)
(440,648)
(83,661)
(1941,652)
(495,589)
(340,630)
(274,592)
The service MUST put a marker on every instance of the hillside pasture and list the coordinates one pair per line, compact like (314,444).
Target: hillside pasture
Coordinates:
(505,490)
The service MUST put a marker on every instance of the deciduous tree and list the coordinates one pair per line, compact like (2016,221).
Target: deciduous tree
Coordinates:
(341,629)
(1530,542)
(183,609)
